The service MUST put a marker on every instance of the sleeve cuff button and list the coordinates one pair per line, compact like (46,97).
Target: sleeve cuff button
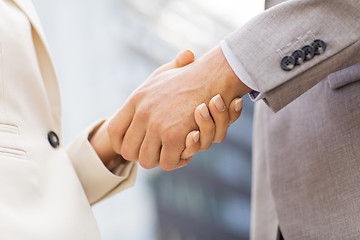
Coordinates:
(299,56)
(288,63)
(309,52)
(319,46)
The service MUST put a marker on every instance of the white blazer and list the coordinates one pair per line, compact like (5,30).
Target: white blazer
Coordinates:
(45,189)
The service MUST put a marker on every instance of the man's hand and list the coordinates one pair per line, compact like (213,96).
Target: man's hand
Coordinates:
(100,140)
(155,120)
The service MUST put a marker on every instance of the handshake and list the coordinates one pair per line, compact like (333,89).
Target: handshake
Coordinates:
(166,121)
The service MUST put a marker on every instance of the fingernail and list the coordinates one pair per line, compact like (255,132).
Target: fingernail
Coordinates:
(238,105)
(204,111)
(192,51)
(219,103)
(196,137)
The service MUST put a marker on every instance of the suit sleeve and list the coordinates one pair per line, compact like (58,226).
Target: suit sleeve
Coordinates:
(262,43)
(96,179)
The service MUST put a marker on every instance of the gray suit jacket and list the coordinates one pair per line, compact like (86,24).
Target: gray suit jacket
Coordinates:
(306,159)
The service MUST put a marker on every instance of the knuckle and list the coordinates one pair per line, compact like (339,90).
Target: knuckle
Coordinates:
(222,120)
(189,152)
(205,147)
(220,138)
(112,132)
(146,164)
(147,113)
(207,127)
(137,95)
(186,156)
(111,129)
(169,164)
(143,113)
(186,162)
(211,132)
(192,150)
(154,125)
(128,154)
(173,135)
(167,168)
(168,137)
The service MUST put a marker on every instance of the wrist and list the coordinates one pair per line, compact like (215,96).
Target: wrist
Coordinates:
(100,142)
(224,80)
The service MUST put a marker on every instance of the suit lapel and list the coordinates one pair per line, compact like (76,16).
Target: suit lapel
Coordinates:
(27,7)
(45,63)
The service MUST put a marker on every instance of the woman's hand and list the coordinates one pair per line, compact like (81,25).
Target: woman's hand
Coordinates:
(213,126)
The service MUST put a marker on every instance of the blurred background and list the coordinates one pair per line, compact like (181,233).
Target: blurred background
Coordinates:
(103,50)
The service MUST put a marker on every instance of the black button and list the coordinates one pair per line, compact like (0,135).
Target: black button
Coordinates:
(288,63)
(53,139)
(309,52)
(299,56)
(319,46)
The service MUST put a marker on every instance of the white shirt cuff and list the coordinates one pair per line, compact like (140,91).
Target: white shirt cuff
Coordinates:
(240,71)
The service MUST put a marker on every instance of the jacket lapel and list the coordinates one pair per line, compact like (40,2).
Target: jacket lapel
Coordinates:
(29,10)
(46,66)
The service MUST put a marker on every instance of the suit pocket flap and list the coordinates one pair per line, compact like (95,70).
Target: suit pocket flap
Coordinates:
(9,128)
(12,152)
(344,77)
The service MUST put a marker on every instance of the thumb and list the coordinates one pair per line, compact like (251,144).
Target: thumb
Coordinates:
(183,58)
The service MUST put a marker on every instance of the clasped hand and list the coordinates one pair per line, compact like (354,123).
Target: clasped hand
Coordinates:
(158,125)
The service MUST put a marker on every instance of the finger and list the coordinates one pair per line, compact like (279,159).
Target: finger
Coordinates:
(183,58)
(183,162)
(206,126)
(118,125)
(235,109)
(133,139)
(170,153)
(220,115)
(149,155)
(192,145)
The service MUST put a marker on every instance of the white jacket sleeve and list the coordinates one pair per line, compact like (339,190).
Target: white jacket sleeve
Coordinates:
(96,179)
